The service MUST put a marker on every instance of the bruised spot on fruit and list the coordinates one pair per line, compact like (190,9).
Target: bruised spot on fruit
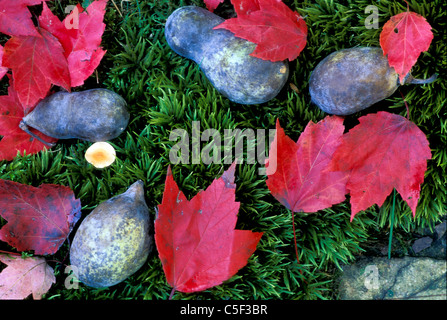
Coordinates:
(283,69)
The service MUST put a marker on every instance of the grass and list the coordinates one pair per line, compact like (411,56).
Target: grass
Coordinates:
(165,92)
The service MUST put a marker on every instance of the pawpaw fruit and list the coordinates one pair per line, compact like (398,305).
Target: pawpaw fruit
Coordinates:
(224,59)
(351,80)
(93,115)
(114,240)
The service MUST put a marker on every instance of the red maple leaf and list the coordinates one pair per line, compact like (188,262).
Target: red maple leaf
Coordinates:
(36,63)
(60,53)
(39,219)
(403,38)
(3,70)
(383,152)
(279,32)
(245,7)
(15,18)
(297,173)
(80,34)
(196,240)
(15,139)
(211,5)
(25,276)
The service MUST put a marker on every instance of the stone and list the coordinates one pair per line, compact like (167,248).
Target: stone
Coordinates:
(380,278)
(421,244)
(433,246)
(440,229)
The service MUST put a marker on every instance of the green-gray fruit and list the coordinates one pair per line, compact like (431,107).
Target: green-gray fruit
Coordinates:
(224,58)
(350,80)
(92,115)
(114,240)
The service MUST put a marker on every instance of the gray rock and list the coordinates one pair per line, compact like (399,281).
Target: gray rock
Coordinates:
(436,250)
(380,278)
(421,244)
(440,229)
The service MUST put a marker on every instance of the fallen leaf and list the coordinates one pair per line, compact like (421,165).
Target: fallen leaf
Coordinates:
(36,63)
(66,31)
(25,276)
(15,18)
(39,219)
(15,140)
(384,151)
(211,5)
(82,65)
(403,38)
(81,42)
(279,32)
(3,70)
(196,240)
(297,173)
(245,7)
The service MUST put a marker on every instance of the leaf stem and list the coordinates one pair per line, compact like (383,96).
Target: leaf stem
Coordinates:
(408,6)
(391,225)
(172,293)
(11,253)
(406,105)
(294,238)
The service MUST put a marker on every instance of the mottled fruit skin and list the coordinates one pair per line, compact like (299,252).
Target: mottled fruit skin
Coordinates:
(351,80)
(224,58)
(92,115)
(114,240)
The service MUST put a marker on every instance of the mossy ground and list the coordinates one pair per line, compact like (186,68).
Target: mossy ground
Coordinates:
(166,92)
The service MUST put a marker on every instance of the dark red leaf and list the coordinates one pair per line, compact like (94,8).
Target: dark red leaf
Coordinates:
(39,219)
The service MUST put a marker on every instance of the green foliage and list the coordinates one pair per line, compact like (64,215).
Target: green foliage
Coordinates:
(166,92)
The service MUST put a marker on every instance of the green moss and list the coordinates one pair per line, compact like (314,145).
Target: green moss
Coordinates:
(165,92)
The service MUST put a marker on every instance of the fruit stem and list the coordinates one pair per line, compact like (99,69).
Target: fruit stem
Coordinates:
(25,128)
(411,80)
